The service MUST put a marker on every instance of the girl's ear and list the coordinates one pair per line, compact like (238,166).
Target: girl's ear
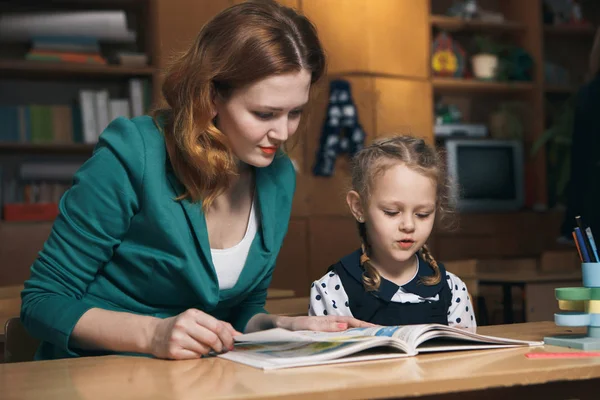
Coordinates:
(355,204)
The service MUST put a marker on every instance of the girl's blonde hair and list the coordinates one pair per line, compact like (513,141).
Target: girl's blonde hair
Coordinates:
(371,162)
(241,45)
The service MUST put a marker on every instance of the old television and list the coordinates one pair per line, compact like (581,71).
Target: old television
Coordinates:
(485,174)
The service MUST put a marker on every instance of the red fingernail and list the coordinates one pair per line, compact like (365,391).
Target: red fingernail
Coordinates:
(342,325)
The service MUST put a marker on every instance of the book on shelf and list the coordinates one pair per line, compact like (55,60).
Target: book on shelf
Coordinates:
(63,56)
(69,44)
(73,49)
(280,348)
(107,26)
(39,124)
(80,122)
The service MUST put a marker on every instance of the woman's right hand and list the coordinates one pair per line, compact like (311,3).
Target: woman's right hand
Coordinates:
(190,334)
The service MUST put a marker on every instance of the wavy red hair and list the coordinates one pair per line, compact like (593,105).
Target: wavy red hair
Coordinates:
(241,45)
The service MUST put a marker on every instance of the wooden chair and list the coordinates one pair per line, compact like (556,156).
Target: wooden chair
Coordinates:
(19,346)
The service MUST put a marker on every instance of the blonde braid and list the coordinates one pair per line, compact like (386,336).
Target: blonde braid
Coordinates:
(371,278)
(437,276)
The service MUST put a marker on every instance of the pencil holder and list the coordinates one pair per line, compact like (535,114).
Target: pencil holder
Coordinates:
(580,307)
(591,275)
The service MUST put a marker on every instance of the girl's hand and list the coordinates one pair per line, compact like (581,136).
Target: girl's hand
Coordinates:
(330,323)
(190,334)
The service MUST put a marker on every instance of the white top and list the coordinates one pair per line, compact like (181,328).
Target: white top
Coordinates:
(230,262)
(328,297)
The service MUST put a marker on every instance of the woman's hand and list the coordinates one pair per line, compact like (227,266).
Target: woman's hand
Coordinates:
(190,334)
(330,323)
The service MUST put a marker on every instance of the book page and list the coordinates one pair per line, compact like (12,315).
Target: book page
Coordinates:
(403,333)
(272,355)
(435,331)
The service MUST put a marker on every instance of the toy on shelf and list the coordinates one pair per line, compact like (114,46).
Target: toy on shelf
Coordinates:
(564,12)
(580,306)
(471,10)
(447,57)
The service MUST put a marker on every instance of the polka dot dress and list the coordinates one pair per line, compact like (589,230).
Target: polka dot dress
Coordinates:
(328,297)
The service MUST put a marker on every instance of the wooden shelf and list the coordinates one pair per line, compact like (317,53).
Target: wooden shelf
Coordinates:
(570,30)
(72,148)
(566,89)
(26,68)
(472,85)
(460,24)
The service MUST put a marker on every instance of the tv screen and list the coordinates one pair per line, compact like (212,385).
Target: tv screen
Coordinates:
(487,174)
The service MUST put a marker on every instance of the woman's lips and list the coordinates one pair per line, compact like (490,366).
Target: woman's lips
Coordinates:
(268,149)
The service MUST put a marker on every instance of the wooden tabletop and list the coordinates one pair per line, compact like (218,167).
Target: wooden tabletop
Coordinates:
(116,377)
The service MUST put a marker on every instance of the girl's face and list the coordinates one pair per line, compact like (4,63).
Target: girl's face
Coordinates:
(260,117)
(399,215)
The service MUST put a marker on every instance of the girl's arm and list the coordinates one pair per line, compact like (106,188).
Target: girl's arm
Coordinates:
(324,312)
(328,297)
(460,313)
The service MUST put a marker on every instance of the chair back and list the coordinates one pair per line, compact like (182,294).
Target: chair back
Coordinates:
(19,345)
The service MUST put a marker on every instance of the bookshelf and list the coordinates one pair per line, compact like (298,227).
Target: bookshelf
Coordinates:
(473,86)
(26,69)
(522,26)
(59,85)
(560,89)
(51,149)
(577,31)
(453,24)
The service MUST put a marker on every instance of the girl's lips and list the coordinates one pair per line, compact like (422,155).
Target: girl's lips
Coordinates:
(268,150)
(405,244)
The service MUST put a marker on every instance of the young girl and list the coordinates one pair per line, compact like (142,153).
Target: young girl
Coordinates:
(399,191)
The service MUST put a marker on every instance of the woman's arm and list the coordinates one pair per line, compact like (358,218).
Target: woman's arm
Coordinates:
(95,214)
(191,334)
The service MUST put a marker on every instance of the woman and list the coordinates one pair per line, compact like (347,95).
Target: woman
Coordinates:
(166,242)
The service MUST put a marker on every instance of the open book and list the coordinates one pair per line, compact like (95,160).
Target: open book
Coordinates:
(280,348)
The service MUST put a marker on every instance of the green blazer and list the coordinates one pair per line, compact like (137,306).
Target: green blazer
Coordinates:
(122,242)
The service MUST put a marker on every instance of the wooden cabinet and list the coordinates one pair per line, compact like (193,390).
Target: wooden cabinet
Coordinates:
(404,107)
(291,270)
(329,239)
(178,22)
(341,26)
(398,38)
(378,37)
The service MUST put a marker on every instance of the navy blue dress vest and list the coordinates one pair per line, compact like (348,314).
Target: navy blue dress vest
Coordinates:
(378,308)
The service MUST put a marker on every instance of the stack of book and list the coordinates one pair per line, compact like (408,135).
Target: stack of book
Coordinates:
(80,122)
(72,36)
(66,49)
(35,193)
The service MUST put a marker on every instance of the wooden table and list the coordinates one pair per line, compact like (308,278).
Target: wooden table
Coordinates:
(488,374)
(521,279)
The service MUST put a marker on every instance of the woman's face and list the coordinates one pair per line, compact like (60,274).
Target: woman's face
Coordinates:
(260,117)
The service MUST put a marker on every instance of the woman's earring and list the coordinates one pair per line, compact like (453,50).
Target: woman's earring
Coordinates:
(360,219)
